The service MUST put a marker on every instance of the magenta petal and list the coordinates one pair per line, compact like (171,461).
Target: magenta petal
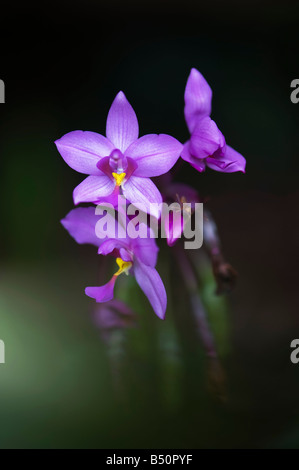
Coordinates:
(173,229)
(125,255)
(111,198)
(102,293)
(82,150)
(154,154)
(206,138)
(198,99)
(93,188)
(131,168)
(153,287)
(104,167)
(122,124)
(80,223)
(109,228)
(197,163)
(114,244)
(146,250)
(231,161)
(142,192)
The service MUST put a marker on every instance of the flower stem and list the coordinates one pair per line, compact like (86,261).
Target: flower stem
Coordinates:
(216,375)
(225,275)
(197,306)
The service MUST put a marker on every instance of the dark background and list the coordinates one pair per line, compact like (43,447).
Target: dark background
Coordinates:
(62,65)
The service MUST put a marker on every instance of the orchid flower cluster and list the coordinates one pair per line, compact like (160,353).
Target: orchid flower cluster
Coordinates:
(122,165)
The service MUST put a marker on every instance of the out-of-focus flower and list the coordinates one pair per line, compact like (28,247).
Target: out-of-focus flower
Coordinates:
(137,256)
(120,162)
(114,314)
(206,146)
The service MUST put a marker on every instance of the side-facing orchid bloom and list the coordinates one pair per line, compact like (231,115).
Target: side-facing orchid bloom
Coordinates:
(181,200)
(206,146)
(120,163)
(185,198)
(137,256)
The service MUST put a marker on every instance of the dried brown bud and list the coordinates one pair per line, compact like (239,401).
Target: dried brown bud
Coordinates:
(225,276)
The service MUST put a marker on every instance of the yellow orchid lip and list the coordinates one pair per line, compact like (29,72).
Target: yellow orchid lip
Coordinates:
(124,266)
(119,177)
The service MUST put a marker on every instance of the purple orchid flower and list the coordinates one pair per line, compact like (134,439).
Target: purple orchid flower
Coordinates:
(136,256)
(120,163)
(207,146)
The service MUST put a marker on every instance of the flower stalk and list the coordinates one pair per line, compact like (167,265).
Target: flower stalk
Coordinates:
(216,375)
(225,275)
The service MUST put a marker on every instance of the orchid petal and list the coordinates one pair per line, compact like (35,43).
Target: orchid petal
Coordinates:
(146,250)
(153,287)
(102,293)
(111,199)
(143,194)
(114,244)
(93,188)
(82,150)
(197,163)
(125,255)
(122,124)
(231,161)
(206,138)
(198,99)
(80,223)
(173,228)
(154,154)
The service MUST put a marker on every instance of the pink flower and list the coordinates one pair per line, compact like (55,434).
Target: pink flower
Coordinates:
(137,256)
(206,146)
(120,162)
